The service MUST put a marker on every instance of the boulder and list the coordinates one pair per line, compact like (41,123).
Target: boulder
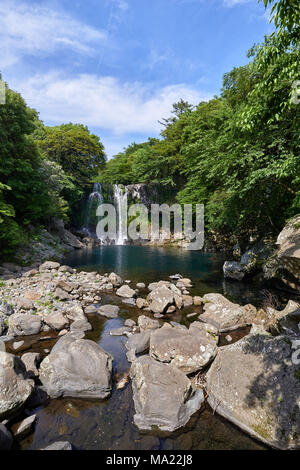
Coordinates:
(141,303)
(20,324)
(14,388)
(160,299)
(234,270)
(223,314)
(31,362)
(163,395)
(66,286)
(115,280)
(56,321)
(120,331)
(255,384)
(146,323)
(25,427)
(139,343)
(59,445)
(77,368)
(109,311)
(48,266)
(25,304)
(188,350)
(126,292)
(81,325)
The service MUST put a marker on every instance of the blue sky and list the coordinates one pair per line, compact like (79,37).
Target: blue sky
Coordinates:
(118,65)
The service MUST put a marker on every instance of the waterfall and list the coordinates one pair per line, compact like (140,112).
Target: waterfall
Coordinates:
(120,197)
(94,200)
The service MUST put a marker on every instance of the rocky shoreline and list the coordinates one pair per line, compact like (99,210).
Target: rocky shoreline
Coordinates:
(253,382)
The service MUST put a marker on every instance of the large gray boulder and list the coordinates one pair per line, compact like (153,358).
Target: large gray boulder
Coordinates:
(56,320)
(21,324)
(188,350)
(139,342)
(255,384)
(163,395)
(14,388)
(160,299)
(234,270)
(77,368)
(223,314)
(126,292)
(109,311)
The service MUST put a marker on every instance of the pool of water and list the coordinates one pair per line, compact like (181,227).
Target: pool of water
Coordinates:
(109,424)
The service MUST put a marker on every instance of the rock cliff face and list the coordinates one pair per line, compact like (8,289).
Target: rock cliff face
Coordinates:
(284,265)
(280,263)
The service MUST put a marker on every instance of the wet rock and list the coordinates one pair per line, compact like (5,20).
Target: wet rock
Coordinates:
(255,384)
(163,395)
(109,311)
(139,342)
(38,397)
(160,299)
(120,331)
(59,445)
(20,324)
(6,439)
(25,427)
(234,270)
(171,309)
(188,350)
(17,345)
(129,302)
(77,368)
(14,388)
(146,323)
(223,314)
(126,292)
(56,321)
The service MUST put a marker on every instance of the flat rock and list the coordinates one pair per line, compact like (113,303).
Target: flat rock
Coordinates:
(109,311)
(163,395)
(56,321)
(188,350)
(255,384)
(59,445)
(223,314)
(77,368)
(146,323)
(139,342)
(120,331)
(126,292)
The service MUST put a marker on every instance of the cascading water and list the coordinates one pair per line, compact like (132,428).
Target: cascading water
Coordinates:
(95,199)
(120,197)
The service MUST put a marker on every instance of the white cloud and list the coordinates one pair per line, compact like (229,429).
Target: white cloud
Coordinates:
(103,102)
(38,30)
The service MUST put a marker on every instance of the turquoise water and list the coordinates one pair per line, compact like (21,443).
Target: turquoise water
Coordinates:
(109,424)
(148,264)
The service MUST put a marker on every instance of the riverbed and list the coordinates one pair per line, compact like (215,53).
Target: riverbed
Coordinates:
(109,424)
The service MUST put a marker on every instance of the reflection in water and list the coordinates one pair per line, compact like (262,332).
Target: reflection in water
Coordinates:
(109,424)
